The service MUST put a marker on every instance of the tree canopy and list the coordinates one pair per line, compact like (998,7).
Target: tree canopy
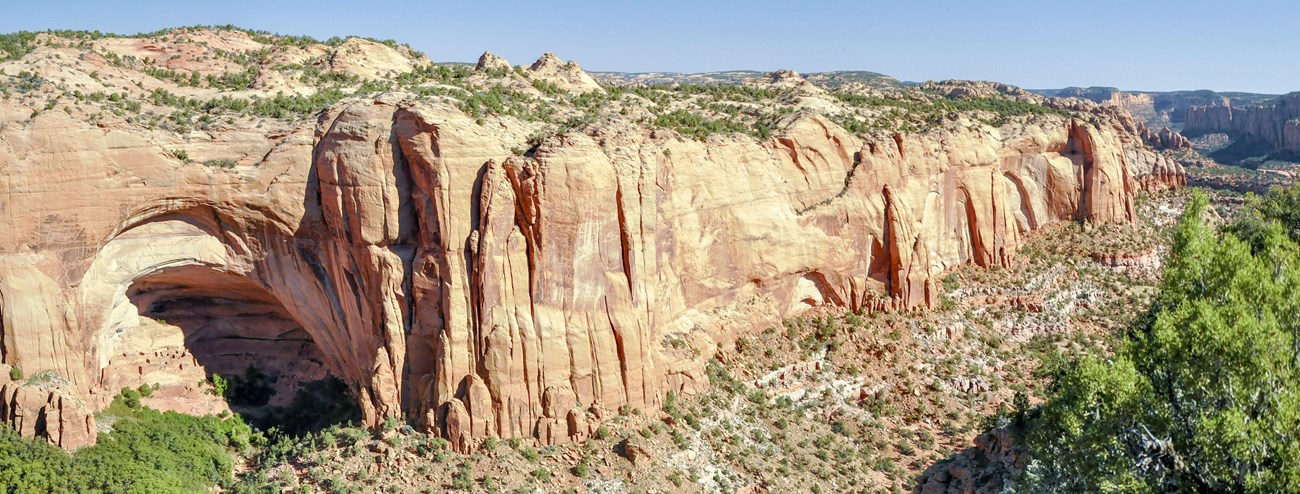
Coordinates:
(147,451)
(1204,396)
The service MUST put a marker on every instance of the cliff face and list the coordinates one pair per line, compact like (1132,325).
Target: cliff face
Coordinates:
(1160,109)
(1276,123)
(443,277)
(446,275)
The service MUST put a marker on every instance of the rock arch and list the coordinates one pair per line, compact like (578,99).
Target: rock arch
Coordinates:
(186,294)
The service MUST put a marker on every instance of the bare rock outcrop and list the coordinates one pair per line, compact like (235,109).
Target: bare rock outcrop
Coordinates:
(1155,171)
(789,79)
(567,75)
(45,406)
(1163,138)
(986,468)
(978,89)
(369,59)
(490,62)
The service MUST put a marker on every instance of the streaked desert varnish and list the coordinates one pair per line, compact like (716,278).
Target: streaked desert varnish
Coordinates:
(479,292)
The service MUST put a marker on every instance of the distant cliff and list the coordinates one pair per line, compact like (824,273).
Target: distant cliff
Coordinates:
(1155,108)
(1271,128)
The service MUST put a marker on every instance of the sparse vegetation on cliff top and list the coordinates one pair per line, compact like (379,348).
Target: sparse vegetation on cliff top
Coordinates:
(204,87)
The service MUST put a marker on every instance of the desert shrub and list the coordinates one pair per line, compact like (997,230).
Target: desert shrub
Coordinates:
(542,475)
(14,45)
(676,478)
(463,478)
(529,454)
(130,398)
(696,126)
(580,470)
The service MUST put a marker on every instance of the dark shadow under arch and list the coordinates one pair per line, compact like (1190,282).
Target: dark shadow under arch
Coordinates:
(276,375)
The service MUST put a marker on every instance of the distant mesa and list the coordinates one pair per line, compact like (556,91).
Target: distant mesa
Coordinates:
(1158,108)
(826,80)
(1268,130)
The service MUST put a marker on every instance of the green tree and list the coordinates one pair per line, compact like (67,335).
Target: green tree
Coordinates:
(130,397)
(219,385)
(1280,205)
(1205,395)
(147,451)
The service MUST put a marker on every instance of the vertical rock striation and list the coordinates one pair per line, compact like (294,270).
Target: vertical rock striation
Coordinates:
(478,292)
(1275,123)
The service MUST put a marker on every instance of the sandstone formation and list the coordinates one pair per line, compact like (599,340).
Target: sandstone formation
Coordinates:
(978,89)
(1154,171)
(407,248)
(45,406)
(369,59)
(487,61)
(1163,138)
(1275,123)
(792,80)
(1159,109)
(567,75)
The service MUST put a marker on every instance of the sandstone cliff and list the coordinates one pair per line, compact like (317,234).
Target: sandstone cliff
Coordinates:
(1275,125)
(476,274)
(1159,109)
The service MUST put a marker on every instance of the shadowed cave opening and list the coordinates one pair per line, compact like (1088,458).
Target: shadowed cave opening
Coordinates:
(245,341)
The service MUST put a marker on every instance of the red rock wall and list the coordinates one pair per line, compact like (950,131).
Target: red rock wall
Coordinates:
(447,280)
(1276,122)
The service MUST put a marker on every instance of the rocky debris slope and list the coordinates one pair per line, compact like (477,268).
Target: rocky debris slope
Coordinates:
(460,263)
(986,468)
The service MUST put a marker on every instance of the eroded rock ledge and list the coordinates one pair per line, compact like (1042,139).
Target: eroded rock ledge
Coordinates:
(406,250)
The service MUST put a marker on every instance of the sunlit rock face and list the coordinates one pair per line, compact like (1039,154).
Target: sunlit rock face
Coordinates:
(1271,126)
(445,276)
(403,249)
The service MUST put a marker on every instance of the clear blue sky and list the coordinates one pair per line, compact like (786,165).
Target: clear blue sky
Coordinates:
(1245,45)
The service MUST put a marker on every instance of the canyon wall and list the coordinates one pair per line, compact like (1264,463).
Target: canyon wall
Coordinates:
(1160,109)
(1275,123)
(407,250)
